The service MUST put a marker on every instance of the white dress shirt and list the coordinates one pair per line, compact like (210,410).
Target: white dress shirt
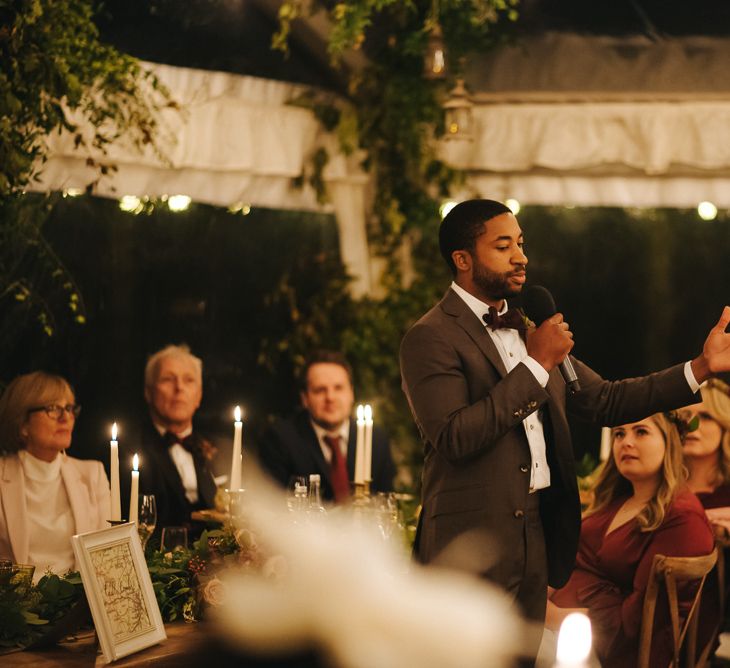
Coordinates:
(184,464)
(513,351)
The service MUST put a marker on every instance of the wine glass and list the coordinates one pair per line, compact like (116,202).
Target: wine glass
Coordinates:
(296,482)
(388,514)
(174,538)
(146,517)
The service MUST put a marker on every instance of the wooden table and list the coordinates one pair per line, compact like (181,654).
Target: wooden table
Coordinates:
(182,640)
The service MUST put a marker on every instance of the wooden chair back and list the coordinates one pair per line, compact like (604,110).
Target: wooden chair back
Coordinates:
(722,542)
(668,571)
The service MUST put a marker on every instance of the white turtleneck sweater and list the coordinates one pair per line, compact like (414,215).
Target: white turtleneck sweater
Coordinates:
(50,520)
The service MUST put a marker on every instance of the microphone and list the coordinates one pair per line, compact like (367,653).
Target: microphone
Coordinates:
(539,305)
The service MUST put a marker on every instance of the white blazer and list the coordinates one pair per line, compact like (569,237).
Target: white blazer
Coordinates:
(87,488)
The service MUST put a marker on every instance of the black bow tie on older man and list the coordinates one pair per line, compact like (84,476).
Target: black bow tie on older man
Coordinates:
(512,319)
(188,442)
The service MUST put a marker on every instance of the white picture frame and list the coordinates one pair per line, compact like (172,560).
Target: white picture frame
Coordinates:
(119,590)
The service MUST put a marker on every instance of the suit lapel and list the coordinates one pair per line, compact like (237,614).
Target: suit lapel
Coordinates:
(314,450)
(206,483)
(16,516)
(465,318)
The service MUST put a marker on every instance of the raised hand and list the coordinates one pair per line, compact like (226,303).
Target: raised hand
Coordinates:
(715,357)
(550,342)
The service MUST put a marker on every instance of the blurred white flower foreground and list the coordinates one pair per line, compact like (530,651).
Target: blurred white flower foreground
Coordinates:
(340,588)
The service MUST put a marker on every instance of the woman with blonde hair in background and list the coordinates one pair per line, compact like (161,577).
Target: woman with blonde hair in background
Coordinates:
(707,458)
(45,496)
(707,451)
(642,507)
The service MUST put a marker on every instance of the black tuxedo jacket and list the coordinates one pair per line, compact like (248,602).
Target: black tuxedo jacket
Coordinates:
(159,476)
(291,449)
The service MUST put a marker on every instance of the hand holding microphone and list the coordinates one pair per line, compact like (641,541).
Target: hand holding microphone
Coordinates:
(551,342)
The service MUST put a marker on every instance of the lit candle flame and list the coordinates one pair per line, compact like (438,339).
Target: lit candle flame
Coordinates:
(368,413)
(360,411)
(135,462)
(114,432)
(237,413)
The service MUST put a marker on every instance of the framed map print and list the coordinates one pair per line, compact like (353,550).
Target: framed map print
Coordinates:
(119,590)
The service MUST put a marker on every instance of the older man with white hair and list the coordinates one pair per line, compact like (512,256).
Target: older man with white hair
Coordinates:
(175,460)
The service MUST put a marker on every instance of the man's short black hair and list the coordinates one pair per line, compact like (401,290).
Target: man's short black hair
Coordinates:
(461,227)
(324,357)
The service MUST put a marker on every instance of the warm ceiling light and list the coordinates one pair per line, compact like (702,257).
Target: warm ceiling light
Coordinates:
(178,203)
(130,204)
(707,210)
(434,61)
(240,207)
(458,112)
(513,205)
(446,207)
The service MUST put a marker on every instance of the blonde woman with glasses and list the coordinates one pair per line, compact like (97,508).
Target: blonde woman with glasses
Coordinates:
(45,496)
(707,451)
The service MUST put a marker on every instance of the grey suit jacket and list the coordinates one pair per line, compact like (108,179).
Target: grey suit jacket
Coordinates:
(469,411)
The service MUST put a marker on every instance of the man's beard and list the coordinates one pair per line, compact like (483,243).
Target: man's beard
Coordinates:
(494,285)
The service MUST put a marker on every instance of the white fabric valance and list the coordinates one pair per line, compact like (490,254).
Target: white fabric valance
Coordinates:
(236,139)
(541,135)
(650,138)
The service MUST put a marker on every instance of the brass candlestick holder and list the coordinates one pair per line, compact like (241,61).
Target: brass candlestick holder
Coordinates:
(362,494)
(236,506)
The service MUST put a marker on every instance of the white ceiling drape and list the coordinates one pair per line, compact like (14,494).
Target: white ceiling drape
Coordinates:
(541,135)
(236,140)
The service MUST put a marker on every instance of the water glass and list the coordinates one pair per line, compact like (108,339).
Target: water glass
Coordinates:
(174,538)
(294,490)
(146,517)
(388,514)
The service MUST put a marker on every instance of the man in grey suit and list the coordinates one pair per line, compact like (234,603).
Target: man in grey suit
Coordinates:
(491,406)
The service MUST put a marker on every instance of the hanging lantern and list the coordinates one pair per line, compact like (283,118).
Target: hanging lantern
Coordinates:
(458,108)
(434,63)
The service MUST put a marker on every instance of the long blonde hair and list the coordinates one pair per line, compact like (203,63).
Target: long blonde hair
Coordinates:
(610,484)
(21,395)
(716,397)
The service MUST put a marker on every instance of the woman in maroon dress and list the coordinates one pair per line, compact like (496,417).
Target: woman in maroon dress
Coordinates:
(707,450)
(707,457)
(641,507)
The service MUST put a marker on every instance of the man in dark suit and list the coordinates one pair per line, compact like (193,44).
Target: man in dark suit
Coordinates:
(174,459)
(321,438)
(491,407)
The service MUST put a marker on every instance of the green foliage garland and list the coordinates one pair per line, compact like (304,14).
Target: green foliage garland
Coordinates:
(181,581)
(37,292)
(56,75)
(53,69)
(28,612)
(395,115)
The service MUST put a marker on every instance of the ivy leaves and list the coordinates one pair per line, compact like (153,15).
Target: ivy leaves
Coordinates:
(54,72)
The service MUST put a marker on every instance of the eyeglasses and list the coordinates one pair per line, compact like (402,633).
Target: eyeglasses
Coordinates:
(55,411)
(686,414)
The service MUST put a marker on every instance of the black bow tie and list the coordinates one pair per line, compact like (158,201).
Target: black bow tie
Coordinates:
(512,319)
(188,442)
